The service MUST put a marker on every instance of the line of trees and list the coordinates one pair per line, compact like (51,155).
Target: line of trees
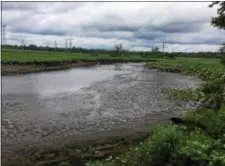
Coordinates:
(46,48)
(118,50)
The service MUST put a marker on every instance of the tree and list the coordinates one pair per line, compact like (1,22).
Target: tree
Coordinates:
(222,51)
(222,48)
(118,49)
(219,20)
(155,49)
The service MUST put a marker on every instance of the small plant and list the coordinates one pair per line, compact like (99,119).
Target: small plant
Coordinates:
(195,149)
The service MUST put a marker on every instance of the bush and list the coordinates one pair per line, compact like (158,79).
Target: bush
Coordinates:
(223,60)
(161,148)
(209,120)
(214,94)
(195,150)
(170,55)
(165,143)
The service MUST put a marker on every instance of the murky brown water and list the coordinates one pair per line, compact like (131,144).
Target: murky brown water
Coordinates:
(43,107)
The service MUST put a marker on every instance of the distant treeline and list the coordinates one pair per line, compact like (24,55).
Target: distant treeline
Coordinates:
(114,52)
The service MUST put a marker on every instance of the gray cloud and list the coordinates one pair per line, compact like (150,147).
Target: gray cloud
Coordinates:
(180,28)
(18,5)
(136,25)
(39,31)
(108,28)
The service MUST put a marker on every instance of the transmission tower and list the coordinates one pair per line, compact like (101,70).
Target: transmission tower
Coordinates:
(23,43)
(66,43)
(70,43)
(163,47)
(55,44)
(4,35)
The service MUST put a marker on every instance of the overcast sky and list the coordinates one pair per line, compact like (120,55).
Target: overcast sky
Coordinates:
(183,26)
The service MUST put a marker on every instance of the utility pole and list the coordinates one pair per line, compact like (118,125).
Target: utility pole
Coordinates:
(22,43)
(4,35)
(66,43)
(163,47)
(55,44)
(70,43)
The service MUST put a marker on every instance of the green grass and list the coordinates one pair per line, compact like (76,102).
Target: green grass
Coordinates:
(26,56)
(185,94)
(206,69)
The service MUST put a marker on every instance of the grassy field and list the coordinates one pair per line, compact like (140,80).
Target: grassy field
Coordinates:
(206,69)
(15,61)
(27,56)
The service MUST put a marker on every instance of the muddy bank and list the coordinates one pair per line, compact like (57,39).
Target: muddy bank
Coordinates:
(80,149)
(44,110)
(14,68)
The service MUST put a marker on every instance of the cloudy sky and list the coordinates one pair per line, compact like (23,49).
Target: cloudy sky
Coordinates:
(183,26)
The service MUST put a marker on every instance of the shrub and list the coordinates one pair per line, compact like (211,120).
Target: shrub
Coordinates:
(195,150)
(222,60)
(164,144)
(209,120)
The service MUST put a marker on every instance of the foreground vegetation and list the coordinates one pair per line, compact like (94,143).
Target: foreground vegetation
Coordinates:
(199,139)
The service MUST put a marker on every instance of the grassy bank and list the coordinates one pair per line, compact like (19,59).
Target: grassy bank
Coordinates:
(12,56)
(199,138)
(26,61)
(206,69)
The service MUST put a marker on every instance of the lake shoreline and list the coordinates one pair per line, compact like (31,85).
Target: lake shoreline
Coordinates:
(98,145)
(12,69)
(110,119)
(15,69)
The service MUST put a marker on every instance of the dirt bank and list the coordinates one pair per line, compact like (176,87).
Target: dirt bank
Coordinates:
(14,69)
(80,149)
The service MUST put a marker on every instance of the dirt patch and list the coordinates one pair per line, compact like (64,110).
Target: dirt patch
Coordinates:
(14,69)
(78,150)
